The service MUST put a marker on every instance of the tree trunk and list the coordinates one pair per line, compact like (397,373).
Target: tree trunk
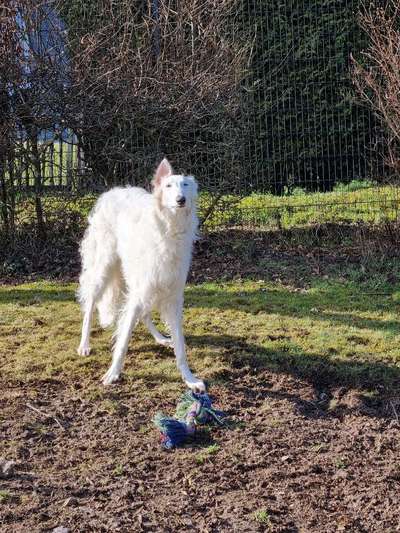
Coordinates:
(3,200)
(38,181)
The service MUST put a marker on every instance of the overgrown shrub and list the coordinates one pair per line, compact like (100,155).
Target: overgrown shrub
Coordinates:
(377,71)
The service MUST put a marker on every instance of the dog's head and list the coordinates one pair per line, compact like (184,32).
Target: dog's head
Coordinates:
(173,191)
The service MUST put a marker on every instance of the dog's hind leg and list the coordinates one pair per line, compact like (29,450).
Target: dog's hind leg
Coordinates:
(158,337)
(126,323)
(98,262)
(84,346)
(91,294)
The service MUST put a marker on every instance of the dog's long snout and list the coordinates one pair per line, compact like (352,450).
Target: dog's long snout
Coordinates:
(180,200)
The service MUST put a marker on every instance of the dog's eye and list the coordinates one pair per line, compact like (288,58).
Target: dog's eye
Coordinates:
(185,184)
(168,185)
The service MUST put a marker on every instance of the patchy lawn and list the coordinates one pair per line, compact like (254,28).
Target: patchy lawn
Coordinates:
(307,363)
(333,330)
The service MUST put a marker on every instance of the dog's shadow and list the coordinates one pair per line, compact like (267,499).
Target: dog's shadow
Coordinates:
(160,351)
(322,373)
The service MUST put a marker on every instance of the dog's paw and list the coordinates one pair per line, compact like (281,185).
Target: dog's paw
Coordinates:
(110,377)
(166,341)
(196,385)
(84,349)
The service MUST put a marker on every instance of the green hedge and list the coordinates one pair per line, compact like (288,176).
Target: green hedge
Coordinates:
(309,131)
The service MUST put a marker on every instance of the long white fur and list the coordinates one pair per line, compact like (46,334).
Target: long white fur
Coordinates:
(136,255)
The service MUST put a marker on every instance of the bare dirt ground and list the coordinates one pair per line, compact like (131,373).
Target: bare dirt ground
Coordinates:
(299,459)
(305,454)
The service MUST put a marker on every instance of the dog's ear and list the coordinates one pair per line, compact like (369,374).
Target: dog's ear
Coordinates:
(164,170)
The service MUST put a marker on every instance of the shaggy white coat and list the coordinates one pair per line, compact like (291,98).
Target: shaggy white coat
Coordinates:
(136,255)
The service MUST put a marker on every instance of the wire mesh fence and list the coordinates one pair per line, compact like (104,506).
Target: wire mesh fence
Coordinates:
(275,136)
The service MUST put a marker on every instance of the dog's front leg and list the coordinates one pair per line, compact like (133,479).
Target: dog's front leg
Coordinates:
(173,317)
(126,323)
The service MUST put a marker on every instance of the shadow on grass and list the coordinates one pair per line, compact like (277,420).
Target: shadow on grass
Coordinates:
(319,371)
(331,304)
(36,295)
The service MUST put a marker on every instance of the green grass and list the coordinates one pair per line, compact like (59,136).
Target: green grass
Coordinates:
(262,517)
(118,470)
(5,496)
(207,453)
(341,330)
(354,202)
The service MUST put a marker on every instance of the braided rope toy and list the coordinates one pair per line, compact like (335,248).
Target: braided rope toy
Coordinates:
(192,410)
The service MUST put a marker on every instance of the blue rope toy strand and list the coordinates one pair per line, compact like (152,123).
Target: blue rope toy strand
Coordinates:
(192,410)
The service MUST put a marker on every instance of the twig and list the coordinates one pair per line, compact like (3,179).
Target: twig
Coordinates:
(43,413)
(394,411)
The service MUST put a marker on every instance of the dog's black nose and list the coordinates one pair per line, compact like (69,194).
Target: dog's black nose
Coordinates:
(180,200)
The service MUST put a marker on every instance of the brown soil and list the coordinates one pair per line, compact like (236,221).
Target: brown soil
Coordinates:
(314,461)
(231,254)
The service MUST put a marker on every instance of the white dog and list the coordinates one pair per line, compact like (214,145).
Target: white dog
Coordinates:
(135,258)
